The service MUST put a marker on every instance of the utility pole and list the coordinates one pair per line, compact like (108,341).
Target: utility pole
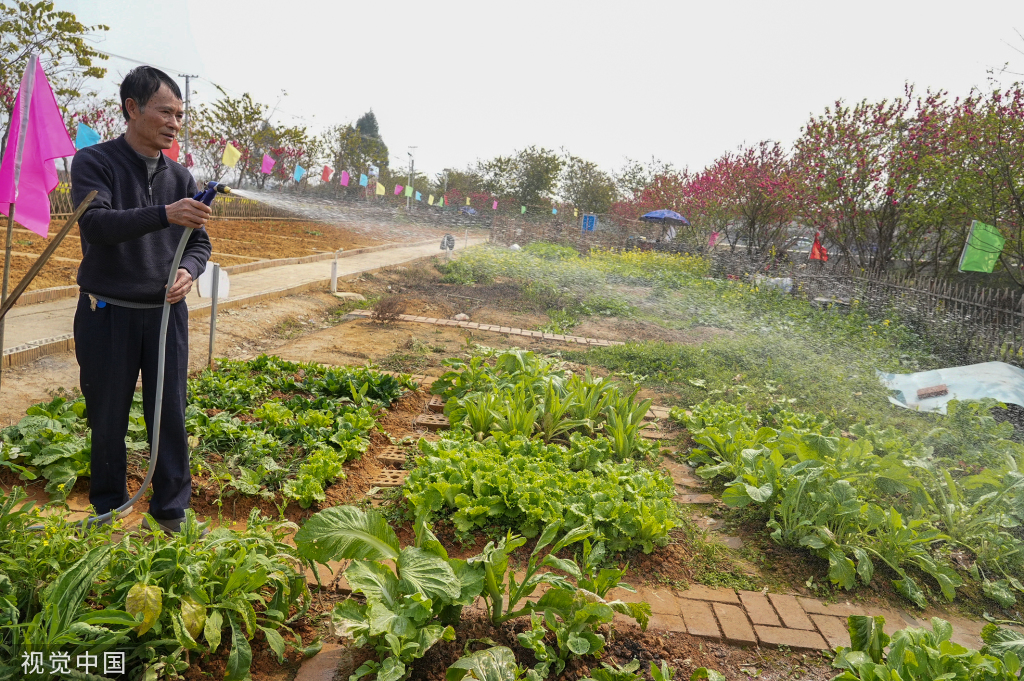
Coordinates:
(412,170)
(188,97)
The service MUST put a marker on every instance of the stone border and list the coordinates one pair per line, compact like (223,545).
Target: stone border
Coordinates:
(45,295)
(512,331)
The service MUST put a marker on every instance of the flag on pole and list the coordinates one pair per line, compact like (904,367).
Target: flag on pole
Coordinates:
(818,252)
(36,136)
(231,156)
(173,152)
(467,200)
(408,192)
(268,165)
(522,210)
(326,175)
(419,197)
(494,206)
(344,178)
(299,172)
(981,252)
(554,211)
(363,180)
(380,189)
(440,202)
(575,212)
(86,137)
(430,200)
(398,189)
(189,161)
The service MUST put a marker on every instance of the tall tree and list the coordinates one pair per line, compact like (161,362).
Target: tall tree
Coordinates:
(528,177)
(586,186)
(367,124)
(351,150)
(240,121)
(59,39)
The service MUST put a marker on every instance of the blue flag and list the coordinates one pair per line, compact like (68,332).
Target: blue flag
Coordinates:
(419,197)
(86,137)
(299,172)
(554,211)
(363,180)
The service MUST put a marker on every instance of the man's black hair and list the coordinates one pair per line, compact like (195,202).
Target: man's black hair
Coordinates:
(141,83)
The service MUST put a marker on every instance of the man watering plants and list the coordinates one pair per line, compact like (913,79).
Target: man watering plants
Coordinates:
(129,235)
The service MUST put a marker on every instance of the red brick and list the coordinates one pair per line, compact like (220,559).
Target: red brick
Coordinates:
(660,622)
(734,624)
(699,592)
(833,629)
(661,600)
(793,616)
(699,619)
(759,609)
(813,605)
(794,638)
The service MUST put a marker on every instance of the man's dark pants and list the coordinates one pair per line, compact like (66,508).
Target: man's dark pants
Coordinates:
(112,344)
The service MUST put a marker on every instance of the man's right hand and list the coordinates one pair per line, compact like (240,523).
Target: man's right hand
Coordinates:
(188,213)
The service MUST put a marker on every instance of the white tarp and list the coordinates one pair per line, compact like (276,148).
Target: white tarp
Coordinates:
(997,380)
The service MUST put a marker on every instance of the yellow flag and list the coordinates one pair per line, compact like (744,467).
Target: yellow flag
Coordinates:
(430,200)
(380,189)
(575,212)
(467,200)
(231,156)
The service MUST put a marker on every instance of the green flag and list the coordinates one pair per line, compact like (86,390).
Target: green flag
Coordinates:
(984,244)
(408,191)
(522,210)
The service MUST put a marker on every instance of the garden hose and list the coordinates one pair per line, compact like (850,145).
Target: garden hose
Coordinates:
(205,196)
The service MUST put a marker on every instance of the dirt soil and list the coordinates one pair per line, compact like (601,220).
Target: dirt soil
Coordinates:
(625,644)
(235,242)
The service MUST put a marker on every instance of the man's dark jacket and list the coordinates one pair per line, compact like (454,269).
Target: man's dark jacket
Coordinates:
(127,243)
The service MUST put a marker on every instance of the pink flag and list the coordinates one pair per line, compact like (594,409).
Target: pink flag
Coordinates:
(326,176)
(398,189)
(494,206)
(268,165)
(173,152)
(189,161)
(713,239)
(37,137)
(344,178)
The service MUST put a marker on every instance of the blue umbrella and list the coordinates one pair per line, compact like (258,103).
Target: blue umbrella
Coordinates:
(669,216)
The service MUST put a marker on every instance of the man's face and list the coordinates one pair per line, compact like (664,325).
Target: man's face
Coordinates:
(157,123)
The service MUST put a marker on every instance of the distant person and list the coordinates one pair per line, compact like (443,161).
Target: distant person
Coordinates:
(129,235)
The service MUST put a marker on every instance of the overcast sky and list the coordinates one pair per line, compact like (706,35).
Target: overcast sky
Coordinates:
(461,81)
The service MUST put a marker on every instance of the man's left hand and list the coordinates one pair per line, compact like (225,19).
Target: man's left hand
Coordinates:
(182,285)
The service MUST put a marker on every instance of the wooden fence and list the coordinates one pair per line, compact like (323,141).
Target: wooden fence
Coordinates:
(969,323)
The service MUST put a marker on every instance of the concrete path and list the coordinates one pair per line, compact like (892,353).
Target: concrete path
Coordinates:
(31,323)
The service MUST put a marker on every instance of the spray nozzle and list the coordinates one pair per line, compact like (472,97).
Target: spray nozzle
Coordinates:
(212,188)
